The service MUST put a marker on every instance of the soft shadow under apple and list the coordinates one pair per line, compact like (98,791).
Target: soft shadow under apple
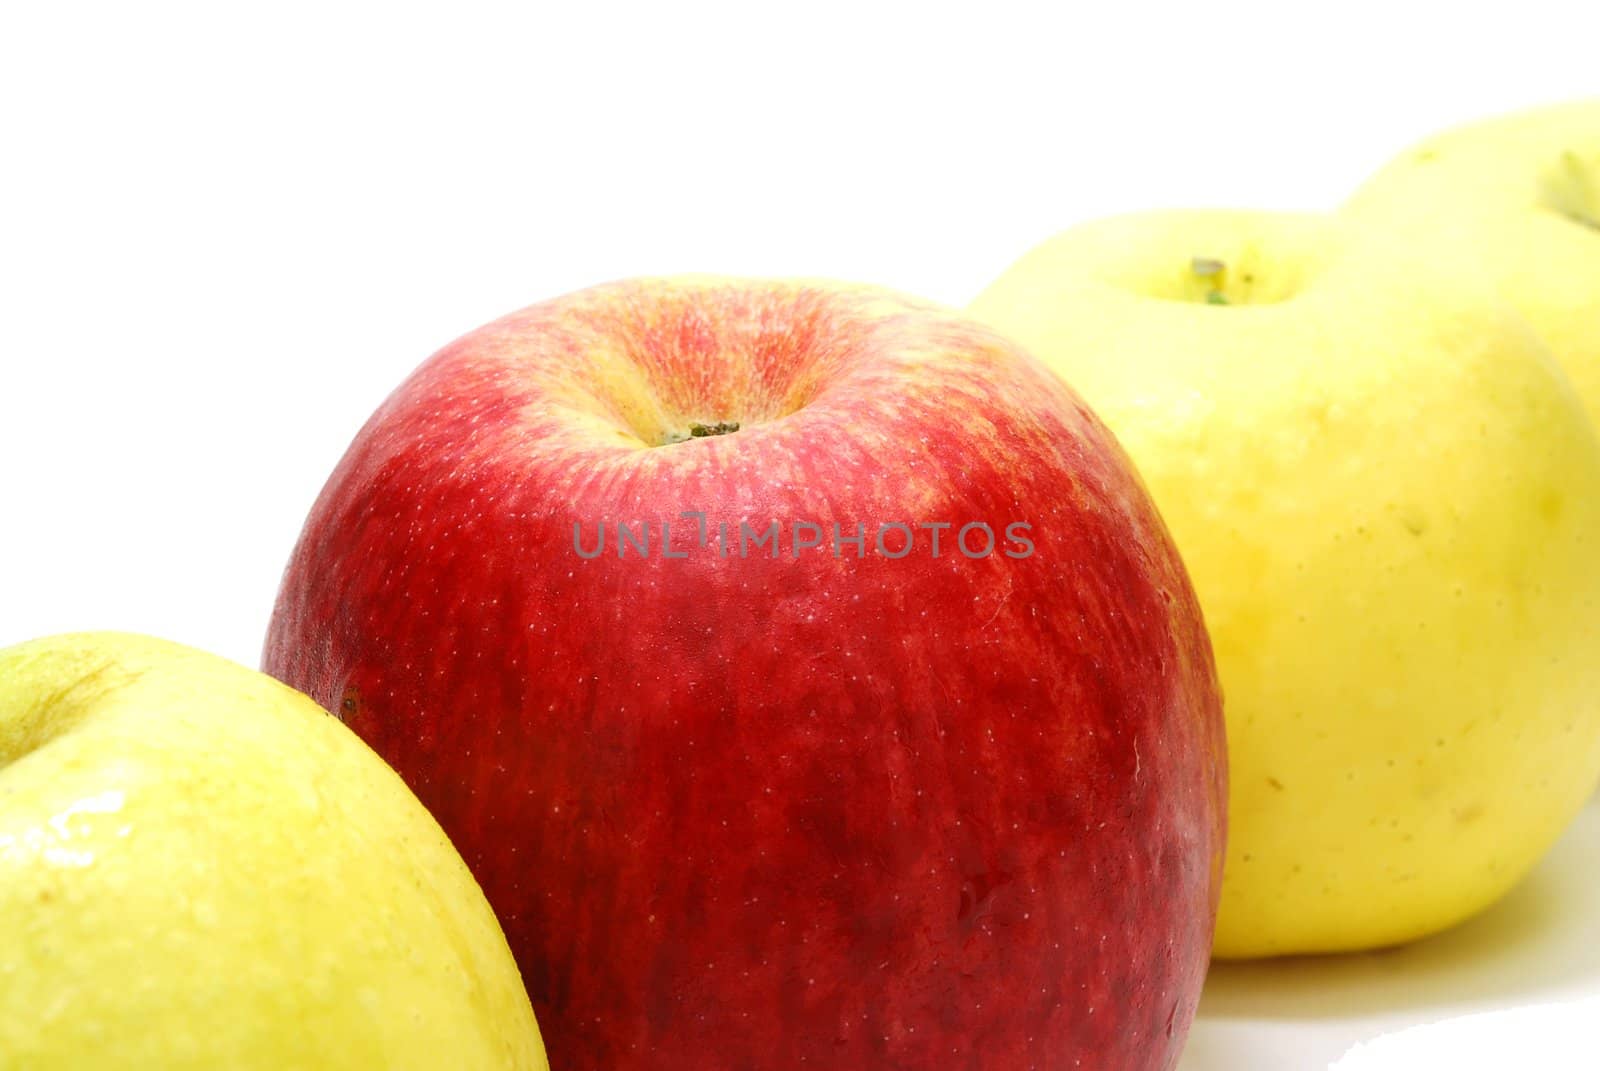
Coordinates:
(1537,944)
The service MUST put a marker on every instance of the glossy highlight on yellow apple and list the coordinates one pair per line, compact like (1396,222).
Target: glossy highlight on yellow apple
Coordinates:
(1388,497)
(199,868)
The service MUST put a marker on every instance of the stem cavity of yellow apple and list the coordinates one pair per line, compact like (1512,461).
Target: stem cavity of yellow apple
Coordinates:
(1572,189)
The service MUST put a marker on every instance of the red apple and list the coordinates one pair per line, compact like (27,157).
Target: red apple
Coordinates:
(751,805)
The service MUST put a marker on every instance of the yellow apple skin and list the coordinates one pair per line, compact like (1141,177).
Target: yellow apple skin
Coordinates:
(1520,195)
(199,868)
(1389,500)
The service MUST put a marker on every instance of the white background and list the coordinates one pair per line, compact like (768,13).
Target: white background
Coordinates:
(227,233)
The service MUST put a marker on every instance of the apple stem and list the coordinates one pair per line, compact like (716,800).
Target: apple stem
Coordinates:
(721,427)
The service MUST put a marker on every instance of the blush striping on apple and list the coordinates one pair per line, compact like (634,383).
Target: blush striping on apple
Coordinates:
(831,798)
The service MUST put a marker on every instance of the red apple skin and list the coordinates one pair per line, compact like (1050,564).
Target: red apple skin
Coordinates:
(741,814)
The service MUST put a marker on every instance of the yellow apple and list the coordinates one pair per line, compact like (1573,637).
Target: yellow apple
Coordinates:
(1389,500)
(1519,195)
(199,868)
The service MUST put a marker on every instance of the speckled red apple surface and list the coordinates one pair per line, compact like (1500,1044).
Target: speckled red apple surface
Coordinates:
(830,808)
